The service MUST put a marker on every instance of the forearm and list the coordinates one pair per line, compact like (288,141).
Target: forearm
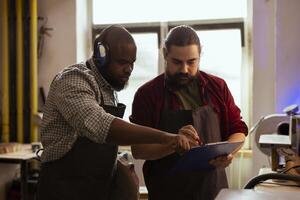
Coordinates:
(124,133)
(237,137)
(150,151)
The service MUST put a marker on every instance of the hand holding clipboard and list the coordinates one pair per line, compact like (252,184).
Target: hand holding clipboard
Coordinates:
(198,158)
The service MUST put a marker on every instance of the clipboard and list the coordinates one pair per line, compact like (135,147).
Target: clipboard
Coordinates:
(197,159)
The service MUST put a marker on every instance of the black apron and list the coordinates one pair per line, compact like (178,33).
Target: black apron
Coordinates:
(85,172)
(189,185)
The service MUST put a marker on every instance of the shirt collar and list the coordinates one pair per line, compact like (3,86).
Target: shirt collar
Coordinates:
(99,78)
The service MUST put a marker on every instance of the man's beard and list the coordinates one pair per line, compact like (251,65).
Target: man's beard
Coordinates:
(115,83)
(179,80)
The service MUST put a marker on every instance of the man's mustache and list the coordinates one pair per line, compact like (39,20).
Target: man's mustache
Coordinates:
(181,75)
(179,80)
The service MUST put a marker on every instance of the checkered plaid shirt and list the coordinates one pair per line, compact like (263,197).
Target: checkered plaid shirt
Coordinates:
(73,109)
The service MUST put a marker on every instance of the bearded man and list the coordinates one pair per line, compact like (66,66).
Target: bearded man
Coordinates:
(185,98)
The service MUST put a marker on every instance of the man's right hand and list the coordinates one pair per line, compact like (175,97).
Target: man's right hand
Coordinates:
(178,143)
(190,132)
(186,138)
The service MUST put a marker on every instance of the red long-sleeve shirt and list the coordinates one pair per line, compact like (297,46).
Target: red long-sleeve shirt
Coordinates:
(149,101)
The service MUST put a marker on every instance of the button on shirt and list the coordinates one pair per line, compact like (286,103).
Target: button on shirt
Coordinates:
(73,109)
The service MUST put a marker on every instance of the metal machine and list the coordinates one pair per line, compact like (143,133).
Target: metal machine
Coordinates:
(272,133)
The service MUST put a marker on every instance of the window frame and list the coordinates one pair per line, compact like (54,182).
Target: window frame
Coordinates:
(157,27)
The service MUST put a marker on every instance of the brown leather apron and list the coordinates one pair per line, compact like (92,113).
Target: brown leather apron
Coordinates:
(85,172)
(188,185)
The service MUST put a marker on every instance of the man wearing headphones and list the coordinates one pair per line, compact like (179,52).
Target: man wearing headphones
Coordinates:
(81,125)
(182,96)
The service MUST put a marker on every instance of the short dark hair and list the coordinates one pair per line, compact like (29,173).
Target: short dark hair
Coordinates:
(182,35)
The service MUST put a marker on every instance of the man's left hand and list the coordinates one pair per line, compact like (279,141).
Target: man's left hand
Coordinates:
(222,161)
